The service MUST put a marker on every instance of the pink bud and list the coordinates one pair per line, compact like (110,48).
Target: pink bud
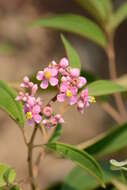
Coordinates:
(26,79)
(47,111)
(64,62)
(34,89)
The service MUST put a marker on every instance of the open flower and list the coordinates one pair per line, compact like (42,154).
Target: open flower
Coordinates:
(32,112)
(84,100)
(48,75)
(67,92)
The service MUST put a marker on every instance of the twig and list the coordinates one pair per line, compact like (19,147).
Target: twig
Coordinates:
(112,112)
(113,74)
(30,159)
(24,137)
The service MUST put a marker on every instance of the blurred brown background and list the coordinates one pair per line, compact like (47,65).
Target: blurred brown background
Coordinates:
(30,50)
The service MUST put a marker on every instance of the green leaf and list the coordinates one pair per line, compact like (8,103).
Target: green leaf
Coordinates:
(10,176)
(98,9)
(73,57)
(111,142)
(104,87)
(9,104)
(14,188)
(75,24)
(56,134)
(78,179)
(118,17)
(81,158)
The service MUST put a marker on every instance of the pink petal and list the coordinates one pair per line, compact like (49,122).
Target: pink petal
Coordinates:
(75,72)
(53,81)
(40,75)
(63,87)
(30,122)
(61,97)
(44,84)
(54,72)
(34,89)
(36,109)
(80,104)
(26,79)
(73,90)
(64,62)
(82,82)
(84,93)
(37,118)
(73,100)
(31,101)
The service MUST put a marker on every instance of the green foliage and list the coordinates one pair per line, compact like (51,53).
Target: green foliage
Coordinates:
(10,105)
(7,175)
(98,9)
(78,179)
(73,57)
(118,17)
(56,134)
(81,158)
(14,188)
(112,141)
(104,87)
(75,24)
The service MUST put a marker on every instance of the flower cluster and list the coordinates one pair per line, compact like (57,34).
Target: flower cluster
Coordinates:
(68,82)
(34,111)
(32,105)
(68,85)
(51,119)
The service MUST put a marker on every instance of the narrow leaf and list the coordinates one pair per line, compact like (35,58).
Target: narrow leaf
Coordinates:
(81,158)
(3,172)
(111,142)
(71,53)
(118,17)
(9,104)
(75,24)
(104,87)
(98,9)
(78,179)
(56,134)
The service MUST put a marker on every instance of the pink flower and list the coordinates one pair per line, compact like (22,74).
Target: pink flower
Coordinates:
(67,92)
(48,75)
(81,82)
(74,72)
(59,119)
(32,110)
(32,105)
(64,63)
(47,111)
(53,121)
(84,100)
(32,88)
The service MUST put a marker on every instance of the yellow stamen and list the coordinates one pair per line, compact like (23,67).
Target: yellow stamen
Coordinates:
(92,99)
(29,115)
(68,93)
(47,74)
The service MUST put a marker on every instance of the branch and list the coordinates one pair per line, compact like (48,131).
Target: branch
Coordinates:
(113,75)
(30,158)
(112,112)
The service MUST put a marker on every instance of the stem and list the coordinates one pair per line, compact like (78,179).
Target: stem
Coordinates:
(30,159)
(112,112)
(113,74)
